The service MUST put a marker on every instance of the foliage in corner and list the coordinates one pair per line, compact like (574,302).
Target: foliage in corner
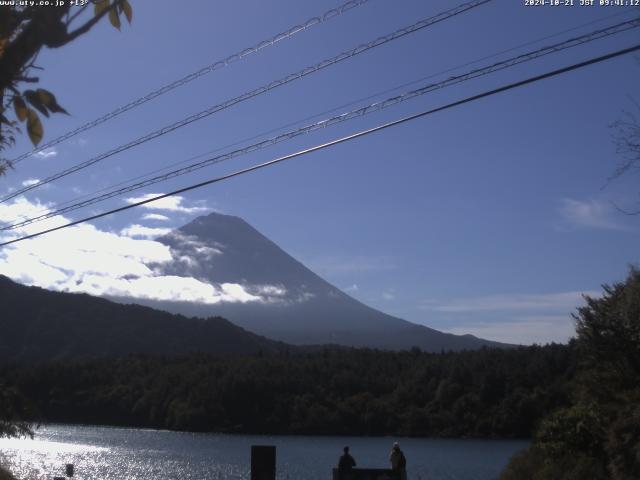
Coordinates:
(598,436)
(24,31)
(14,410)
(626,137)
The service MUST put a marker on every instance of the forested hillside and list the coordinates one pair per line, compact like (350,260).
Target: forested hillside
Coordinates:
(484,393)
(38,324)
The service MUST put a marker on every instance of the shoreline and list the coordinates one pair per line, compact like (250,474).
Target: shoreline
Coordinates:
(263,434)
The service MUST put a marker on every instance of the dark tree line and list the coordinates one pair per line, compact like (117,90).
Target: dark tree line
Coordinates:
(484,393)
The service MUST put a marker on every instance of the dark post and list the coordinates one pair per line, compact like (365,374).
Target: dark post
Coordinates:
(263,462)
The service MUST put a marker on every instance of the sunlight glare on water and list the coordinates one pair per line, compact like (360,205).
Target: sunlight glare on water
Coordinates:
(41,458)
(103,453)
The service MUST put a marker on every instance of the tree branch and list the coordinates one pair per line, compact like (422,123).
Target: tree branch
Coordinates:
(89,24)
(28,79)
(77,14)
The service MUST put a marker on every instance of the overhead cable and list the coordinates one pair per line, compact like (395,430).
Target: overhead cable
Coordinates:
(332,143)
(253,93)
(334,109)
(368,109)
(219,64)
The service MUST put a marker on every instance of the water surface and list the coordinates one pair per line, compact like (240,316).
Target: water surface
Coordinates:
(104,453)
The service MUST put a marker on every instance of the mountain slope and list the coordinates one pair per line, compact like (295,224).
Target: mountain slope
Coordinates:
(294,304)
(38,324)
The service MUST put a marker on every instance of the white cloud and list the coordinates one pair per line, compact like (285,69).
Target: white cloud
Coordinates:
(172,288)
(86,259)
(388,295)
(155,216)
(47,153)
(511,302)
(30,182)
(590,214)
(341,266)
(170,204)
(20,209)
(511,318)
(352,288)
(234,292)
(189,246)
(535,329)
(303,297)
(77,252)
(140,231)
(274,290)
(78,142)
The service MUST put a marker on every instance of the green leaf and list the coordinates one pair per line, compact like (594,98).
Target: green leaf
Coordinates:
(34,99)
(114,18)
(34,127)
(48,99)
(128,11)
(20,108)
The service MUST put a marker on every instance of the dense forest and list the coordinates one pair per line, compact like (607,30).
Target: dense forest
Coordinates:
(484,393)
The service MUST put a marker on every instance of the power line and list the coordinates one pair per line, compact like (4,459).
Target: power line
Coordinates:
(347,138)
(368,109)
(334,109)
(328,15)
(427,22)
(340,118)
(493,55)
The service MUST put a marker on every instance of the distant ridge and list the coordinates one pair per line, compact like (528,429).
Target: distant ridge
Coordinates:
(38,325)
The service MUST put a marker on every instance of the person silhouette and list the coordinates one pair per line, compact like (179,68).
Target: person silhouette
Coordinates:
(346,462)
(398,462)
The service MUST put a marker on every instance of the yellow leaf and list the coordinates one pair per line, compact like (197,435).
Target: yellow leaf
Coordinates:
(20,107)
(128,11)
(99,6)
(48,99)
(34,99)
(45,96)
(34,127)
(114,18)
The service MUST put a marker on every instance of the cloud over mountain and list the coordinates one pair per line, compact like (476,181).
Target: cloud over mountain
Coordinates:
(168,204)
(84,258)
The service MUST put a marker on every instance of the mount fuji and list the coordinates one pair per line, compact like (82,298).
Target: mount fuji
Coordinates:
(280,297)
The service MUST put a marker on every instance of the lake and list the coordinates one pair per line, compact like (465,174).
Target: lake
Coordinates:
(107,453)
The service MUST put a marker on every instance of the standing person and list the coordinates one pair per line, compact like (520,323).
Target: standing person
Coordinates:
(346,462)
(398,462)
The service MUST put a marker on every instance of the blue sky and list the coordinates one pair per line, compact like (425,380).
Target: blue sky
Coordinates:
(491,218)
